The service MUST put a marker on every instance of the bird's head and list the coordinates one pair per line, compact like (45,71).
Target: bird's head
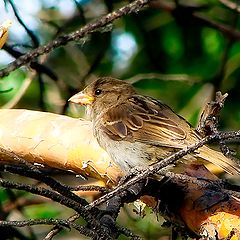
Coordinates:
(103,94)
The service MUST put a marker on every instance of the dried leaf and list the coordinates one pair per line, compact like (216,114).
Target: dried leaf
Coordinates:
(4,32)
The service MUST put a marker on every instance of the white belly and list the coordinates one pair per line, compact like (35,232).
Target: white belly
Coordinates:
(125,154)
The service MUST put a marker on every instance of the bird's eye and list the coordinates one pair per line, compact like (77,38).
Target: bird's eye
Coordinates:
(98,92)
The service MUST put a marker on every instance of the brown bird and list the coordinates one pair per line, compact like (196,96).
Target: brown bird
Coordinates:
(138,130)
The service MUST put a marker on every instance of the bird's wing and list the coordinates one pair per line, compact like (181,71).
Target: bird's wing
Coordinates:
(144,119)
(147,120)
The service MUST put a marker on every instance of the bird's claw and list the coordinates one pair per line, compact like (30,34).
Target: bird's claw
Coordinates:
(133,172)
(136,188)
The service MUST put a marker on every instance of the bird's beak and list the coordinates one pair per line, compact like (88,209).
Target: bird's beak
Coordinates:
(81,98)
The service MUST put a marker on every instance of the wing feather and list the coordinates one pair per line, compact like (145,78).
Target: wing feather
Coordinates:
(147,120)
(144,120)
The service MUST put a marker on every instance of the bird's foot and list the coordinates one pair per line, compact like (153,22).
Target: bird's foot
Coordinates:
(132,173)
(108,216)
(137,187)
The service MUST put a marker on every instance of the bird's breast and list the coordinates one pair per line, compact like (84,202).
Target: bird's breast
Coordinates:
(125,154)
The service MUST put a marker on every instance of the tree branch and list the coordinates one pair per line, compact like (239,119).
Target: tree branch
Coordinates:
(74,36)
(58,222)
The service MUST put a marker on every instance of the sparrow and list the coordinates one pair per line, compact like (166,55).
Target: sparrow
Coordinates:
(137,130)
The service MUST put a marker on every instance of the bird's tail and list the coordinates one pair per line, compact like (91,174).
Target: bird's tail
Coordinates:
(217,158)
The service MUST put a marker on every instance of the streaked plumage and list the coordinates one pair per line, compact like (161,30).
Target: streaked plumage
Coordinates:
(137,130)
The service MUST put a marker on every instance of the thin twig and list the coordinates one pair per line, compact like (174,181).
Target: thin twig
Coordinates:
(29,32)
(231,5)
(74,36)
(210,115)
(58,222)
(164,77)
(35,173)
(55,230)
(38,66)
(45,193)
(228,30)
(89,188)
(128,233)
(60,199)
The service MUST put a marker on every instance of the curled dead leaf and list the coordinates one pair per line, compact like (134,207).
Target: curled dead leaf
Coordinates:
(4,27)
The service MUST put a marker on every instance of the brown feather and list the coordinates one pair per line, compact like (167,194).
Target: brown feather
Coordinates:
(139,119)
(137,130)
(145,123)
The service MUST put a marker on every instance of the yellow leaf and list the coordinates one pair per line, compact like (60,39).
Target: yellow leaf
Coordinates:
(4,31)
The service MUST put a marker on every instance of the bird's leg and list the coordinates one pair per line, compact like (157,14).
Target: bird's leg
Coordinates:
(109,215)
(136,188)
(132,172)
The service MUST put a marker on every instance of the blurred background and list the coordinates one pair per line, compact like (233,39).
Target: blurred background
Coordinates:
(181,52)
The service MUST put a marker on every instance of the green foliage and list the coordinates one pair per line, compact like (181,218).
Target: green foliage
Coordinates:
(189,59)
(10,85)
(42,211)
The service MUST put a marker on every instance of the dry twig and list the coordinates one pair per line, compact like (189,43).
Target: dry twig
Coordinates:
(74,36)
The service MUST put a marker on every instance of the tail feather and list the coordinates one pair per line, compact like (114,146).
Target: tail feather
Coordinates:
(217,158)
